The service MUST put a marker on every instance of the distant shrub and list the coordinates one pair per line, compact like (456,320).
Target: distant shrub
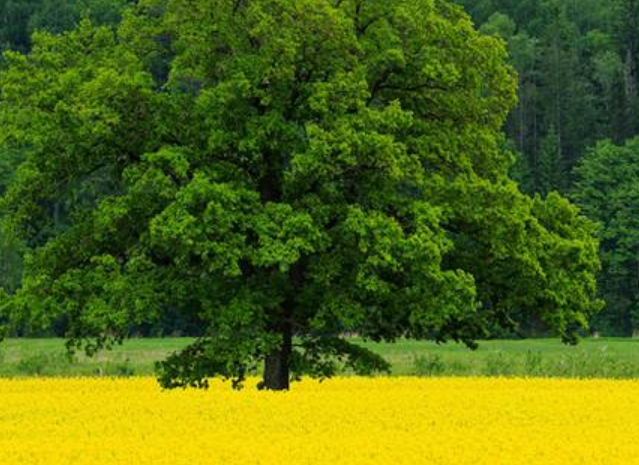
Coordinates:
(122,369)
(428,365)
(500,364)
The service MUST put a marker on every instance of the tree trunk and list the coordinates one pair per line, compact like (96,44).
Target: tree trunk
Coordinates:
(276,371)
(277,364)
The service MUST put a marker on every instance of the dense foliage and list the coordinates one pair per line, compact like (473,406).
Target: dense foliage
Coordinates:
(575,61)
(608,190)
(280,168)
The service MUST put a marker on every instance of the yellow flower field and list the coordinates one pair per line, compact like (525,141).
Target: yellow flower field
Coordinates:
(343,421)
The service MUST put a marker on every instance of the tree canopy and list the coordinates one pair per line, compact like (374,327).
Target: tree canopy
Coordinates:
(281,172)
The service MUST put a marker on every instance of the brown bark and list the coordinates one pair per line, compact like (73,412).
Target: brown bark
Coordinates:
(277,363)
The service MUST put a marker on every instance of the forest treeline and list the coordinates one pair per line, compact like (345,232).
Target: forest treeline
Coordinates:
(572,130)
(578,67)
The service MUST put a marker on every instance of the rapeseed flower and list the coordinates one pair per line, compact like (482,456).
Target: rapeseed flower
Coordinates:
(342,421)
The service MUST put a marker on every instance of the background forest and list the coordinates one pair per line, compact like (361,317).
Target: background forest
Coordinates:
(572,131)
(578,65)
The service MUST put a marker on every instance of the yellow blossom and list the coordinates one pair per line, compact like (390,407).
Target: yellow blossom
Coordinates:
(342,421)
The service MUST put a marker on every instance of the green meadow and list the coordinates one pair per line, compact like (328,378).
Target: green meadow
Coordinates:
(591,358)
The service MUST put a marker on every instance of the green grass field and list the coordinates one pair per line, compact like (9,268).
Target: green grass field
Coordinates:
(592,358)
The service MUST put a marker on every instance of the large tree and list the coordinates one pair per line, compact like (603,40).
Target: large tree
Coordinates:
(283,172)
